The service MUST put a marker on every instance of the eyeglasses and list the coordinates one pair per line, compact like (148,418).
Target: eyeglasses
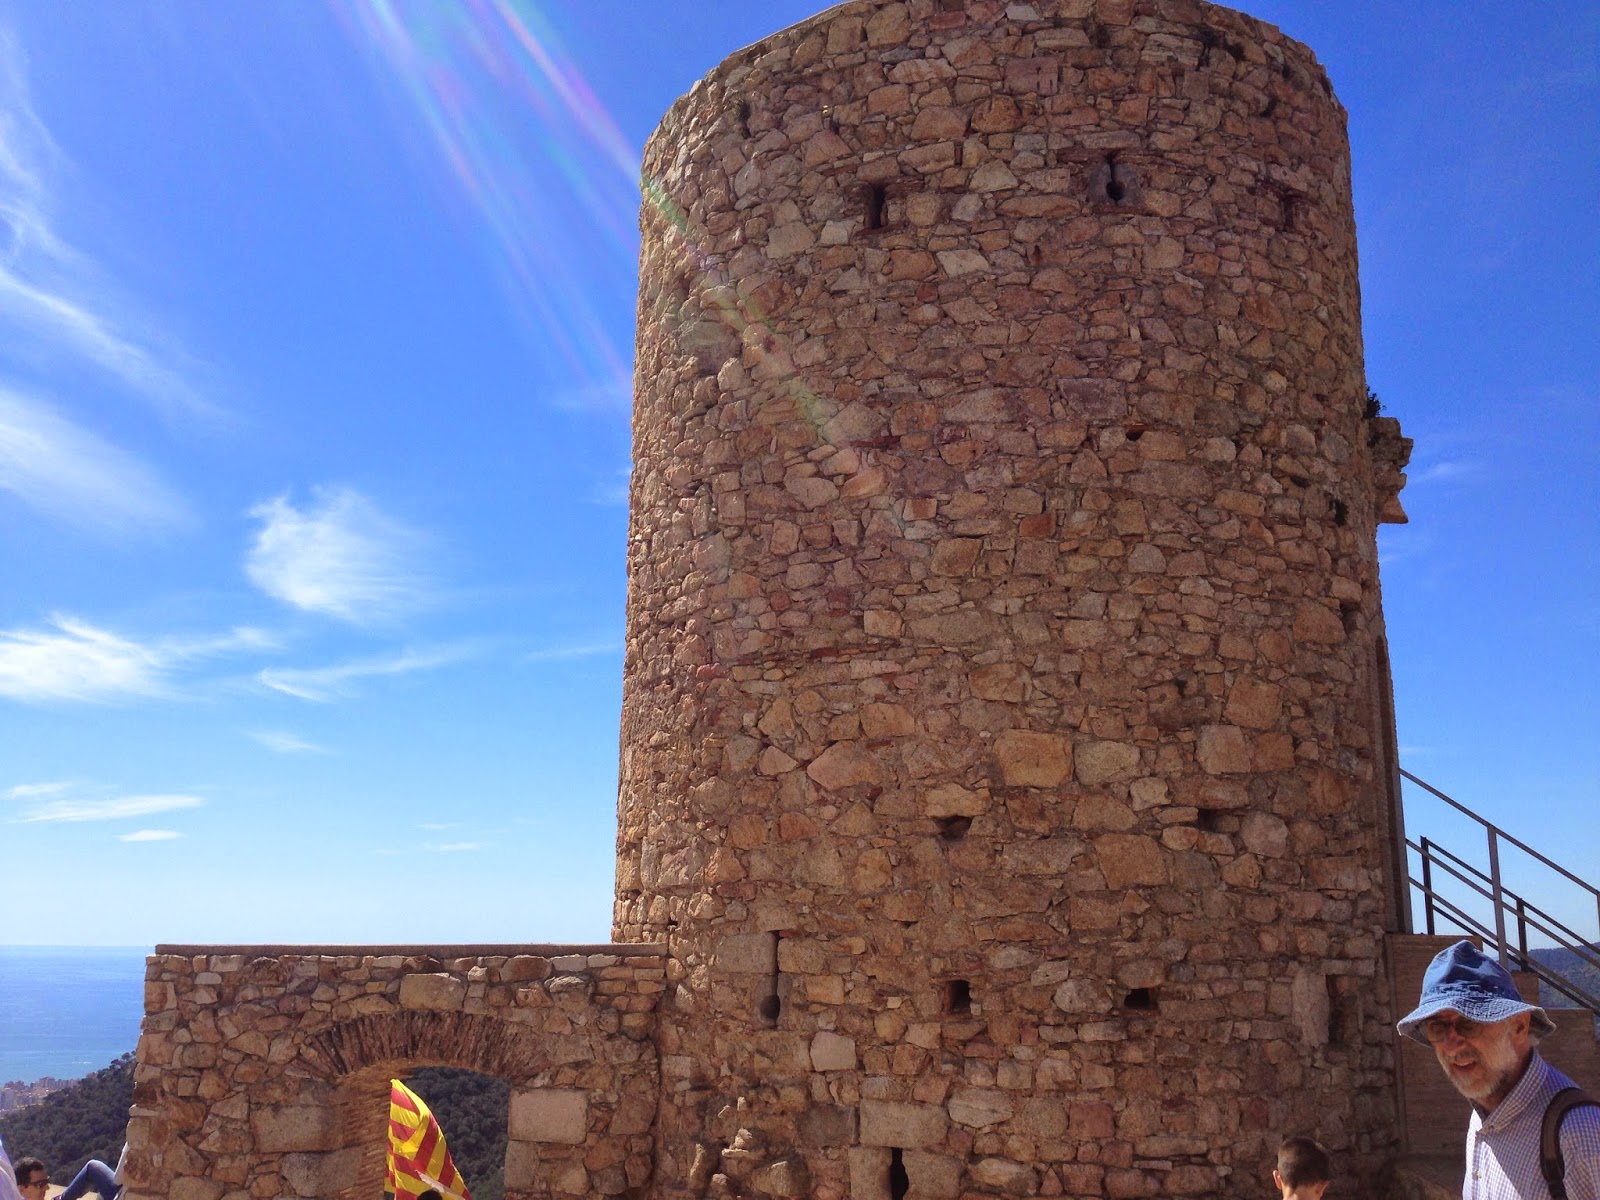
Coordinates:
(36,1183)
(1437,1029)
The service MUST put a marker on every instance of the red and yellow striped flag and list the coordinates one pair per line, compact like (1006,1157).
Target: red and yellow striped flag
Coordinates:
(418,1158)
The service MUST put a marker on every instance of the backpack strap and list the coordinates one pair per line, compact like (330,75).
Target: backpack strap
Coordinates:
(1551,1162)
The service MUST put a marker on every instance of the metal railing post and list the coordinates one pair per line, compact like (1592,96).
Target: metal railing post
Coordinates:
(1427,884)
(1522,932)
(1496,898)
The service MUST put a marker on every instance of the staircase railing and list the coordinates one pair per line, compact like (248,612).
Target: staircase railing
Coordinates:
(1505,904)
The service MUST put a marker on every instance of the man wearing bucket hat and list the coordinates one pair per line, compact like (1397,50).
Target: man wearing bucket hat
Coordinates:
(1486,1037)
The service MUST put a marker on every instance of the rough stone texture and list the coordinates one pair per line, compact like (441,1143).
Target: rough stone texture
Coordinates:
(265,1073)
(1004,609)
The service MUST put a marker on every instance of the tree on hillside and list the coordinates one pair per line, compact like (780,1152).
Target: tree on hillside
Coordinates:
(471,1110)
(84,1120)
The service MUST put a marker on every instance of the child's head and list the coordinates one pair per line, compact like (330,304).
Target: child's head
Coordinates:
(1302,1167)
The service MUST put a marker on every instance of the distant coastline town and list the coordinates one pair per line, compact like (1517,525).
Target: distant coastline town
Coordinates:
(15,1094)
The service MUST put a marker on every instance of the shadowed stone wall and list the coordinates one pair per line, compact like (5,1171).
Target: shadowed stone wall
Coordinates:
(1003,740)
(264,1072)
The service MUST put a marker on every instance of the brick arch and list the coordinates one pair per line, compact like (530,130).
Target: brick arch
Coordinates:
(506,1049)
(358,1058)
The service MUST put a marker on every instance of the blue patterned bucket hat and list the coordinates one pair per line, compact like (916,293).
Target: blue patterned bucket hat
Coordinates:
(1465,980)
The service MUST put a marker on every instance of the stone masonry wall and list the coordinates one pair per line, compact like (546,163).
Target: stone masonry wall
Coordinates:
(263,1072)
(1002,705)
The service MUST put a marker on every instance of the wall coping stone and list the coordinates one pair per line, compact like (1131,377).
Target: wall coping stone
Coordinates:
(541,949)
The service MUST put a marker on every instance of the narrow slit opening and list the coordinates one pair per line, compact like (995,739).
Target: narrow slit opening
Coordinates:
(899,1181)
(1349,614)
(1337,1010)
(1140,999)
(770,1006)
(1209,820)
(1341,512)
(953,829)
(877,206)
(1116,190)
(957,996)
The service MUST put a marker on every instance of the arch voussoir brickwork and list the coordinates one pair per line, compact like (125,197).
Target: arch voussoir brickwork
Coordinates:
(493,1045)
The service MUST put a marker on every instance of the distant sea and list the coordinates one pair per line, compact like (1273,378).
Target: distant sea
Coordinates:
(67,1010)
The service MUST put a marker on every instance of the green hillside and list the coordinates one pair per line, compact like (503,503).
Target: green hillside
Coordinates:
(84,1120)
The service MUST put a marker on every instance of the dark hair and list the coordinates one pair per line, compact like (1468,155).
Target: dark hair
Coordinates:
(430,1194)
(25,1167)
(1302,1161)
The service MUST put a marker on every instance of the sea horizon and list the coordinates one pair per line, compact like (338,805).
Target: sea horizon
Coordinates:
(67,1011)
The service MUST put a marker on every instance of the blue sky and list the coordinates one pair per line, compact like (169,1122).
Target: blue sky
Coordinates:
(315,340)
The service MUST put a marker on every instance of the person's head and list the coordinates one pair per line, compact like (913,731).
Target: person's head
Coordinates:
(1302,1169)
(32,1178)
(1480,1028)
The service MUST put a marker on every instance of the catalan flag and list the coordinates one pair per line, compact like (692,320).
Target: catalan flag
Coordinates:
(418,1158)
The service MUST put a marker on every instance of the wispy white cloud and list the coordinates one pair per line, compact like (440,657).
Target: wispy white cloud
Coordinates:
(32,791)
(338,555)
(53,466)
(578,650)
(118,808)
(1442,472)
(75,661)
(450,847)
(51,296)
(281,742)
(149,835)
(323,684)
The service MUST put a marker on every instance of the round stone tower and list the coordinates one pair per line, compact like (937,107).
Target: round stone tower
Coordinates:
(1006,755)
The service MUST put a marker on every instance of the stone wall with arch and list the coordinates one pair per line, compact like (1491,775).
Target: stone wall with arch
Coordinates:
(263,1071)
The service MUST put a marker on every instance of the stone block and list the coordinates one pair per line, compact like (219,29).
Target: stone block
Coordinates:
(979,1108)
(832,1052)
(1028,759)
(550,1115)
(1224,750)
(901,1124)
(434,992)
(1130,860)
(283,1129)
(934,1176)
(745,954)
(827,1125)
(869,1173)
(1005,1176)
(1254,704)
(324,1174)
(187,1187)
(1100,763)
(844,764)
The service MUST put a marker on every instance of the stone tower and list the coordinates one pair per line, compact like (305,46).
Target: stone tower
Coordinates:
(1007,757)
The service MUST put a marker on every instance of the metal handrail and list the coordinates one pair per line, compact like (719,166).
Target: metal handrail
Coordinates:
(1555,979)
(1498,832)
(1570,939)
(1502,901)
